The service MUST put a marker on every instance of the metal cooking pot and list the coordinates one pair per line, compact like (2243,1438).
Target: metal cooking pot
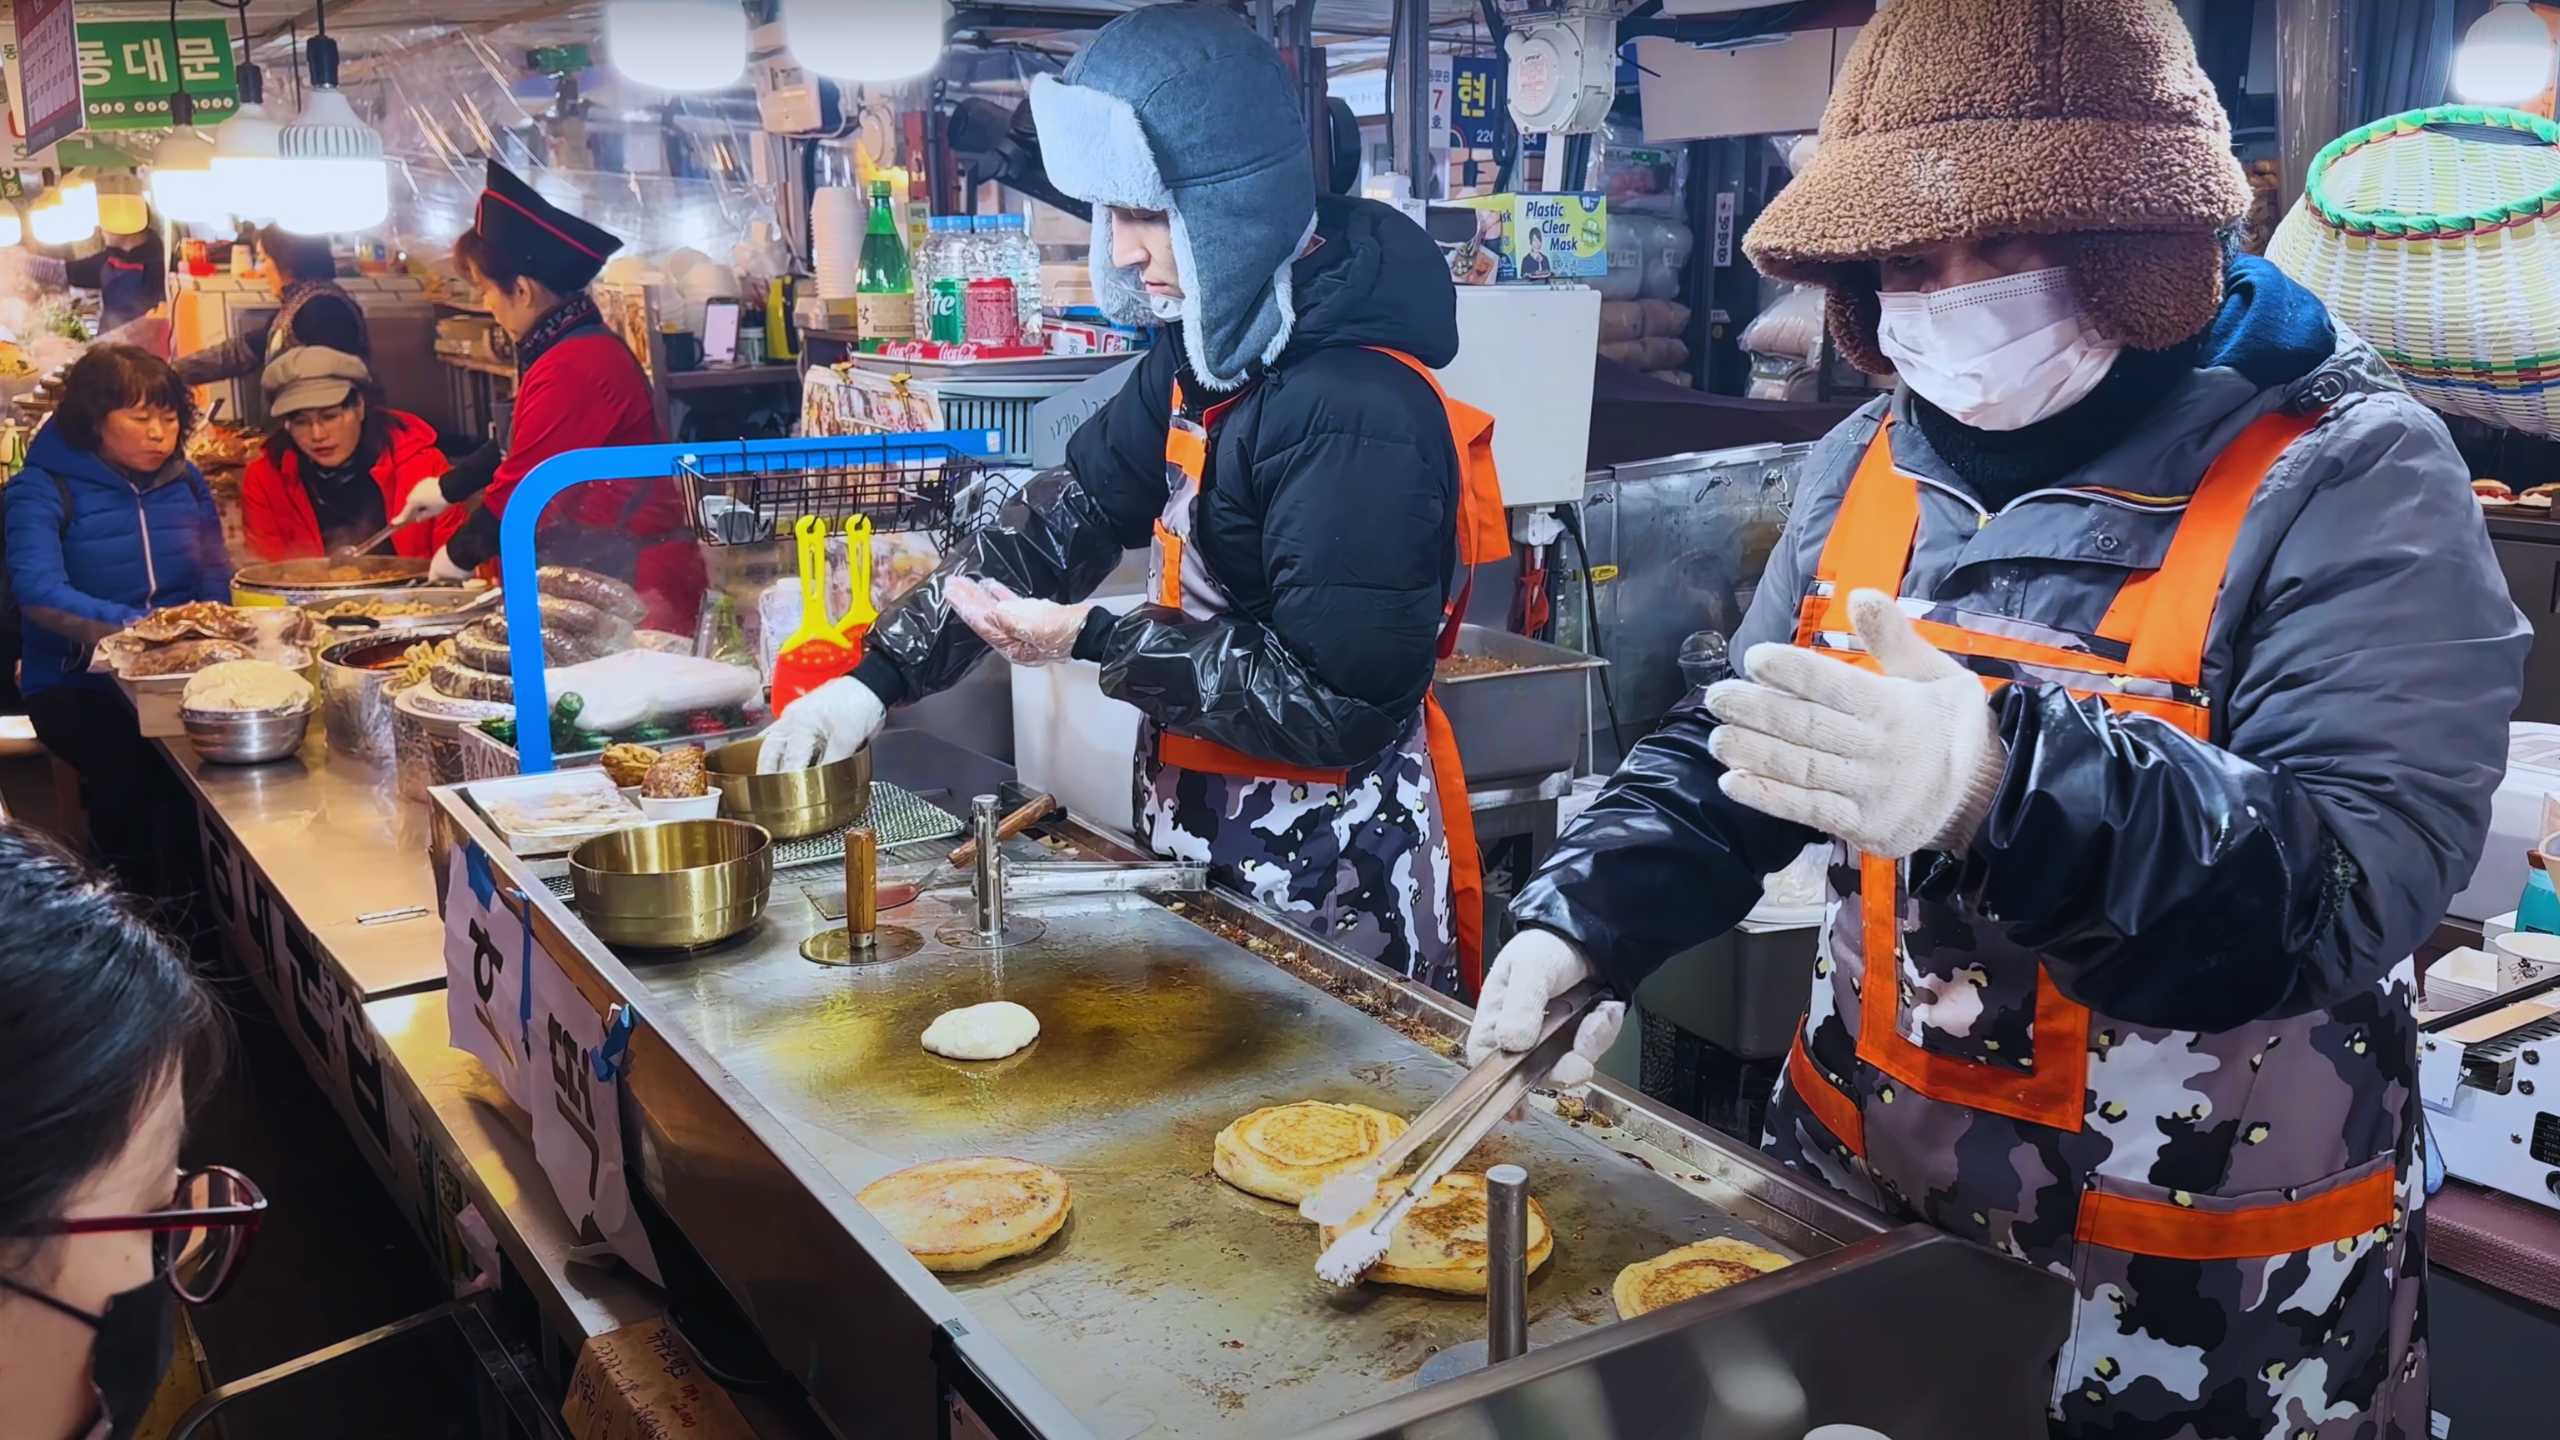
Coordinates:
(672,886)
(355,706)
(296,582)
(793,804)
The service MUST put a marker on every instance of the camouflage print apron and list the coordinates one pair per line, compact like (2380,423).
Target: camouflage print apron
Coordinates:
(1364,857)
(2239,1211)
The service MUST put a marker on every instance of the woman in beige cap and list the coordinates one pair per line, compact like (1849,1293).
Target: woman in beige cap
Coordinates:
(2144,663)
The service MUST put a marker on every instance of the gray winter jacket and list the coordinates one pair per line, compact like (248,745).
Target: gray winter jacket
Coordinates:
(2363,663)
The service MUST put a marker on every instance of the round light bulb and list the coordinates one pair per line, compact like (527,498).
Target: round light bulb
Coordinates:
(56,221)
(682,45)
(335,177)
(248,172)
(121,208)
(182,183)
(881,40)
(2506,58)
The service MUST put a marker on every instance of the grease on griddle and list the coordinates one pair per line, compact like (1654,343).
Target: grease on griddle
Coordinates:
(1367,999)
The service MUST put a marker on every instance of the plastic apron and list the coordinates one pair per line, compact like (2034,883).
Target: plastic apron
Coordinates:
(2237,1210)
(1382,860)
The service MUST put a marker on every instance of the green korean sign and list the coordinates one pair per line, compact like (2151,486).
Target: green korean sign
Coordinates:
(129,69)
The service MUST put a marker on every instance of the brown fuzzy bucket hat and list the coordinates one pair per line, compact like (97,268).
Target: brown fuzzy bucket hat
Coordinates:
(1963,119)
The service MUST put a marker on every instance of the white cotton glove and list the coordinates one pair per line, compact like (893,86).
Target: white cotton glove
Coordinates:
(1026,632)
(1536,967)
(442,570)
(1893,763)
(822,727)
(426,501)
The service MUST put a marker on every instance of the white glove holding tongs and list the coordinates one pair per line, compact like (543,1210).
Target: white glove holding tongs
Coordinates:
(1489,1092)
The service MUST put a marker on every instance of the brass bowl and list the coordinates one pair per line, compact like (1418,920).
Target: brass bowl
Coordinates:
(672,886)
(792,804)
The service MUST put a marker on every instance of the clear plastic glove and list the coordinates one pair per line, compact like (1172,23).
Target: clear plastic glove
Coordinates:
(1536,967)
(1026,632)
(1893,763)
(822,727)
(426,501)
(443,571)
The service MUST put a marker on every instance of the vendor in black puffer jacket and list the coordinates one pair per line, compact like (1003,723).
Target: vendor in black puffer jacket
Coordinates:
(1286,452)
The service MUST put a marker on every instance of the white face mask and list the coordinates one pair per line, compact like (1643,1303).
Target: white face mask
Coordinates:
(1167,308)
(1997,354)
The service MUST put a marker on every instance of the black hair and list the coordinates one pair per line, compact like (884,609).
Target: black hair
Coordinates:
(477,258)
(298,257)
(98,1011)
(111,377)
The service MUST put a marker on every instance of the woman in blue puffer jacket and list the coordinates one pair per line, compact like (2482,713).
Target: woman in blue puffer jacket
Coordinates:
(107,522)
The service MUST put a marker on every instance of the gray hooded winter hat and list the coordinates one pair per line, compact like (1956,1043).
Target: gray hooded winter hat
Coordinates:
(1182,108)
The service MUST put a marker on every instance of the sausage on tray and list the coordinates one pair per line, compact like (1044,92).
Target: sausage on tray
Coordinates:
(458,681)
(609,595)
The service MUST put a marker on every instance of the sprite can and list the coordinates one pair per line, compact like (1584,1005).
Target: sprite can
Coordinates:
(949,311)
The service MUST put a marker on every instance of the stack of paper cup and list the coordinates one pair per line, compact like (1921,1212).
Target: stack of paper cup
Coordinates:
(835,222)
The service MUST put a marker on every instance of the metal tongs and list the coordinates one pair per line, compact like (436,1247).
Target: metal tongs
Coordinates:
(1473,1107)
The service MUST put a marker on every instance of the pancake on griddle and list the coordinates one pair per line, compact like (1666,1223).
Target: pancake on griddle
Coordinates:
(1287,1152)
(957,1215)
(1440,1244)
(1688,1272)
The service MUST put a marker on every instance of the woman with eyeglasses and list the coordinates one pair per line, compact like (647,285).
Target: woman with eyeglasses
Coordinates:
(106,1037)
(340,464)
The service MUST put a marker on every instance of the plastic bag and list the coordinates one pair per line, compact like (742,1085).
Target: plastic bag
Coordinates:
(1638,177)
(637,686)
(1791,328)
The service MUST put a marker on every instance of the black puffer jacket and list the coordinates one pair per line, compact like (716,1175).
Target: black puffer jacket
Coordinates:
(1328,515)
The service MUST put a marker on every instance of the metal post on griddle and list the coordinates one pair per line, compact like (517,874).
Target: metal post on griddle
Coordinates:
(986,889)
(1506,1281)
(988,928)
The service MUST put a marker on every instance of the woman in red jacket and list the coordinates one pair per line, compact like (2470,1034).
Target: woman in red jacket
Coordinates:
(340,464)
(579,388)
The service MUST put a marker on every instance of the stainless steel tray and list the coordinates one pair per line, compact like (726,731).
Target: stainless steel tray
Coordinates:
(1523,723)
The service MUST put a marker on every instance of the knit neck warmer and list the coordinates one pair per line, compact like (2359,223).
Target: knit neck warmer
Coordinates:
(557,324)
(2001,465)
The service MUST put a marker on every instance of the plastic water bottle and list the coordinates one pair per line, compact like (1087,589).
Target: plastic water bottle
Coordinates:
(1021,264)
(945,236)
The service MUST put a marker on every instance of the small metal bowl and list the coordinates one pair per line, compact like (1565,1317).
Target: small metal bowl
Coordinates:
(672,886)
(792,804)
(246,737)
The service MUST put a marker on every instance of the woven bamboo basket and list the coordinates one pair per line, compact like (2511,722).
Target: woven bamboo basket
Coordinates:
(2436,236)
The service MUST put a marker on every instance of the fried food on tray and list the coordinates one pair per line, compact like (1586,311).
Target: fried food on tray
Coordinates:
(628,764)
(196,620)
(181,657)
(1287,1152)
(959,1215)
(1441,1244)
(1690,1271)
(678,774)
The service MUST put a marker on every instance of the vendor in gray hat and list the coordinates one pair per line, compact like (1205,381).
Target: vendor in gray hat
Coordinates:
(1286,452)
(340,464)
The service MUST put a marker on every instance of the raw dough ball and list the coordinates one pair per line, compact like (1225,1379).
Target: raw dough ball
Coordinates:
(982,1032)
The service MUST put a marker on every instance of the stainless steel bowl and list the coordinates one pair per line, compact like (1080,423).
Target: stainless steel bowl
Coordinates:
(672,886)
(355,706)
(792,804)
(246,737)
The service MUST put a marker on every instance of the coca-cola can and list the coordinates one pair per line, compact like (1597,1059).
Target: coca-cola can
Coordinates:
(993,317)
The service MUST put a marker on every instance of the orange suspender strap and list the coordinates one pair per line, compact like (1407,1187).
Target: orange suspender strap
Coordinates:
(2166,614)
(1484,534)
(1826,1101)
(1169,569)
(2179,1232)
(1869,547)
(1466,862)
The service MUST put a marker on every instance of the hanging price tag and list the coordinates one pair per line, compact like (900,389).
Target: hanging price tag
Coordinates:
(488,955)
(576,1102)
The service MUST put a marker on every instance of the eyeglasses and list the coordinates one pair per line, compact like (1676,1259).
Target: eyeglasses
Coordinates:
(305,420)
(197,1241)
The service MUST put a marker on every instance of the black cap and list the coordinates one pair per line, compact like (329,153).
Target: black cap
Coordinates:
(554,246)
